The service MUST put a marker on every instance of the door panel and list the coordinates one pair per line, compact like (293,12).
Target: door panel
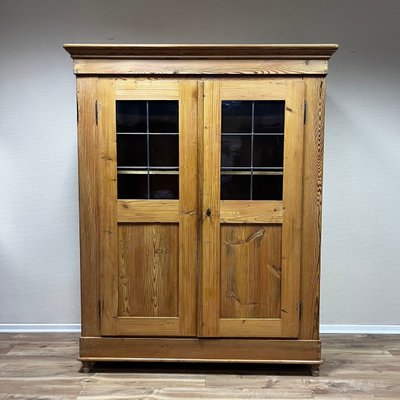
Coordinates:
(253,135)
(148,270)
(148,206)
(250,271)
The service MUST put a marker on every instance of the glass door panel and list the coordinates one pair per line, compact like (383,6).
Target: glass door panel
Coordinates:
(147,149)
(251,207)
(252,145)
(148,169)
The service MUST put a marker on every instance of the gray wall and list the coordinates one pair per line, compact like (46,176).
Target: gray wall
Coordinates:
(39,248)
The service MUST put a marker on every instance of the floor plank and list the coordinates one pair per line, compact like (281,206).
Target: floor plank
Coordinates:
(45,367)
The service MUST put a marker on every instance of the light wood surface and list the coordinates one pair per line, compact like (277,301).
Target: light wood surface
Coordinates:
(45,366)
(251,271)
(223,264)
(312,207)
(155,268)
(210,272)
(148,270)
(107,203)
(292,203)
(188,207)
(145,89)
(259,211)
(205,67)
(148,210)
(86,89)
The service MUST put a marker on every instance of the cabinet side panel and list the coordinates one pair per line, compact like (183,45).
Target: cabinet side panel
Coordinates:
(88,209)
(312,203)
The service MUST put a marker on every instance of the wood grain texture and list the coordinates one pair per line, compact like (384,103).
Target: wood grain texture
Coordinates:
(107,200)
(312,207)
(210,281)
(188,206)
(292,203)
(231,350)
(203,67)
(145,89)
(320,51)
(250,271)
(260,212)
(44,366)
(148,211)
(148,270)
(88,208)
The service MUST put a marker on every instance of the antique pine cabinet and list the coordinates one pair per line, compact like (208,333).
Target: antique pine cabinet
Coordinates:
(200,176)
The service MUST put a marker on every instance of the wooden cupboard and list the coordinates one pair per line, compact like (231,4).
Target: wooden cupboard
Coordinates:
(200,177)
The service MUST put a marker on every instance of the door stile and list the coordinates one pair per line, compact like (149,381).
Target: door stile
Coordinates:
(210,288)
(108,207)
(292,206)
(187,207)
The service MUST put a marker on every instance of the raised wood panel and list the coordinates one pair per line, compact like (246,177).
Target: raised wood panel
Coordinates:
(86,89)
(148,210)
(251,271)
(260,212)
(148,270)
(205,67)
(312,207)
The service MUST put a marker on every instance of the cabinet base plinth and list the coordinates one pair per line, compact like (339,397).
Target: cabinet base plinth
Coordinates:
(266,351)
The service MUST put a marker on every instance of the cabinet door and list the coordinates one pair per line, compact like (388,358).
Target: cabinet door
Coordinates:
(251,207)
(148,206)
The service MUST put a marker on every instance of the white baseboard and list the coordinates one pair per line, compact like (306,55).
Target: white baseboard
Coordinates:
(30,328)
(371,329)
(76,328)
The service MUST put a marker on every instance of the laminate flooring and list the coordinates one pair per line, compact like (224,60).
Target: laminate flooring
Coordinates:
(44,366)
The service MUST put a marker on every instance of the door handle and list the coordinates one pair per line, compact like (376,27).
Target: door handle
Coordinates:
(208,212)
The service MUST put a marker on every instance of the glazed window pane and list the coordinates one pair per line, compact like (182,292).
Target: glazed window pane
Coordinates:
(147,149)
(132,186)
(269,116)
(163,116)
(164,150)
(252,149)
(235,151)
(236,116)
(131,116)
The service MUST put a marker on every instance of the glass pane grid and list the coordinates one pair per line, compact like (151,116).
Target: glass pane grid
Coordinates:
(252,150)
(147,162)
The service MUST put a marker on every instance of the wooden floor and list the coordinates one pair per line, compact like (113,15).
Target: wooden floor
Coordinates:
(44,366)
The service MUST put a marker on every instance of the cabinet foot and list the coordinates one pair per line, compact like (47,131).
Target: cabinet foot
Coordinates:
(87,366)
(314,370)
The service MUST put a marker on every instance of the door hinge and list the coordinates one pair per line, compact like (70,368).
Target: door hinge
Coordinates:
(305,112)
(100,303)
(96,112)
(77,111)
(300,310)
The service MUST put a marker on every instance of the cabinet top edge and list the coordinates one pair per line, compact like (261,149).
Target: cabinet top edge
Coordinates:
(195,51)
